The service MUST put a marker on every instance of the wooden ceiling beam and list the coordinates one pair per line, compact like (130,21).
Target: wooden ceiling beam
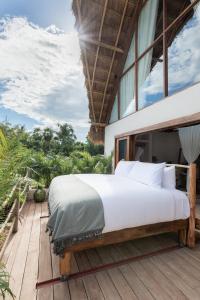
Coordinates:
(98,124)
(99,69)
(101,44)
(100,82)
(113,57)
(110,10)
(99,93)
(86,62)
(98,48)
(127,43)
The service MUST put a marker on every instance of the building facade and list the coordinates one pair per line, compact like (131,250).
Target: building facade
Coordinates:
(157,86)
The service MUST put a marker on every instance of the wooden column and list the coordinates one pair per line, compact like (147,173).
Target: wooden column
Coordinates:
(130,147)
(192,199)
(135,68)
(65,265)
(165,50)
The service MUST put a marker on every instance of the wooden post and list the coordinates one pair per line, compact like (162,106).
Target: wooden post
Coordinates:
(192,199)
(16,216)
(182,234)
(65,265)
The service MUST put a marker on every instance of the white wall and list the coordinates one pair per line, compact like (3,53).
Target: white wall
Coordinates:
(184,103)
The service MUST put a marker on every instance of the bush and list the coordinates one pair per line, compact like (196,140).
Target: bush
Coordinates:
(4,284)
(45,168)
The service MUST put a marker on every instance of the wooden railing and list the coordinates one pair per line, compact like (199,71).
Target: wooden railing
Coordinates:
(15,211)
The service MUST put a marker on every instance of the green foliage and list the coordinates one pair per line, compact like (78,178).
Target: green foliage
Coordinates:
(47,167)
(93,149)
(4,283)
(49,141)
(48,153)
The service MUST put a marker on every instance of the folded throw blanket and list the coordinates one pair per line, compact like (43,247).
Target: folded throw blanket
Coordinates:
(76,212)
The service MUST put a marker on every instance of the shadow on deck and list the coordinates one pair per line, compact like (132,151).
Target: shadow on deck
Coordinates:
(29,258)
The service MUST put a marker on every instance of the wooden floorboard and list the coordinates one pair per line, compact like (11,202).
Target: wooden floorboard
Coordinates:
(21,254)
(45,263)
(28,290)
(29,258)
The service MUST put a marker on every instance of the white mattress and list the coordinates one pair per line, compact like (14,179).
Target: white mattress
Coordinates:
(128,203)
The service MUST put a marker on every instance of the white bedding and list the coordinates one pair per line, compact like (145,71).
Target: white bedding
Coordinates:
(128,203)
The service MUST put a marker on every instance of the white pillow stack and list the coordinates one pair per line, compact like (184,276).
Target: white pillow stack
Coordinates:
(169,178)
(147,173)
(124,167)
(155,175)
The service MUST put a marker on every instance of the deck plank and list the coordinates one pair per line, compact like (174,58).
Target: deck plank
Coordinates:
(60,290)
(143,273)
(90,282)
(45,267)
(116,276)
(21,254)
(160,278)
(16,240)
(76,286)
(174,277)
(28,290)
(181,268)
(108,289)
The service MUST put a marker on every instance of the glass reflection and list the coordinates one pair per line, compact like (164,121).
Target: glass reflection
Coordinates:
(184,55)
(150,80)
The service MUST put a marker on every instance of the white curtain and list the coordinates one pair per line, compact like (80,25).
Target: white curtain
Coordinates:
(114,113)
(131,54)
(127,101)
(146,34)
(190,142)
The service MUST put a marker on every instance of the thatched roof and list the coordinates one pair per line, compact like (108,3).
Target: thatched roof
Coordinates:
(105,31)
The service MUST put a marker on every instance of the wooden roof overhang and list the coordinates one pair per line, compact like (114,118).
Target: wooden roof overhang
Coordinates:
(105,30)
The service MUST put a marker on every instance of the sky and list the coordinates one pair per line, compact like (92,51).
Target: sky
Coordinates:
(41,76)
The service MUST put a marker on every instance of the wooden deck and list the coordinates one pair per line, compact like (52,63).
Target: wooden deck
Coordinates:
(29,258)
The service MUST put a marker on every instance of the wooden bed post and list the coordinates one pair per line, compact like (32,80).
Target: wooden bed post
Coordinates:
(192,199)
(65,265)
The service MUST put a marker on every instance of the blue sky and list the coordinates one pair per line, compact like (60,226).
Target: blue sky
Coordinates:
(41,12)
(41,78)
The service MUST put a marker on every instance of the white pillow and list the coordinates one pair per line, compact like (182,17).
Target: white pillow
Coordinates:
(169,178)
(147,173)
(123,167)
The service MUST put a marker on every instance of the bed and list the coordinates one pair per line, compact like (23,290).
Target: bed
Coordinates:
(125,209)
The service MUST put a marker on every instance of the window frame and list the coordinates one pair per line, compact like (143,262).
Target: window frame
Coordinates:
(134,66)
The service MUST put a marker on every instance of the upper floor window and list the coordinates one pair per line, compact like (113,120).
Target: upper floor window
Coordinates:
(114,113)
(167,59)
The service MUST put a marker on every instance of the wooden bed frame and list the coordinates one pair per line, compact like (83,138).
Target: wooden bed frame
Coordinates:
(185,229)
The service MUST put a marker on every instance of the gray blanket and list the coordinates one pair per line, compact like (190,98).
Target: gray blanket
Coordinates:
(76,212)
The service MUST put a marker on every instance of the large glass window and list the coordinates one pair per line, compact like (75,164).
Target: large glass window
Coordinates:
(184,54)
(127,101)
(150,77)
(114,113)
(157,72)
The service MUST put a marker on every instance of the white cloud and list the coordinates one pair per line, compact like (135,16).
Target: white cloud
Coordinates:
(42,73)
